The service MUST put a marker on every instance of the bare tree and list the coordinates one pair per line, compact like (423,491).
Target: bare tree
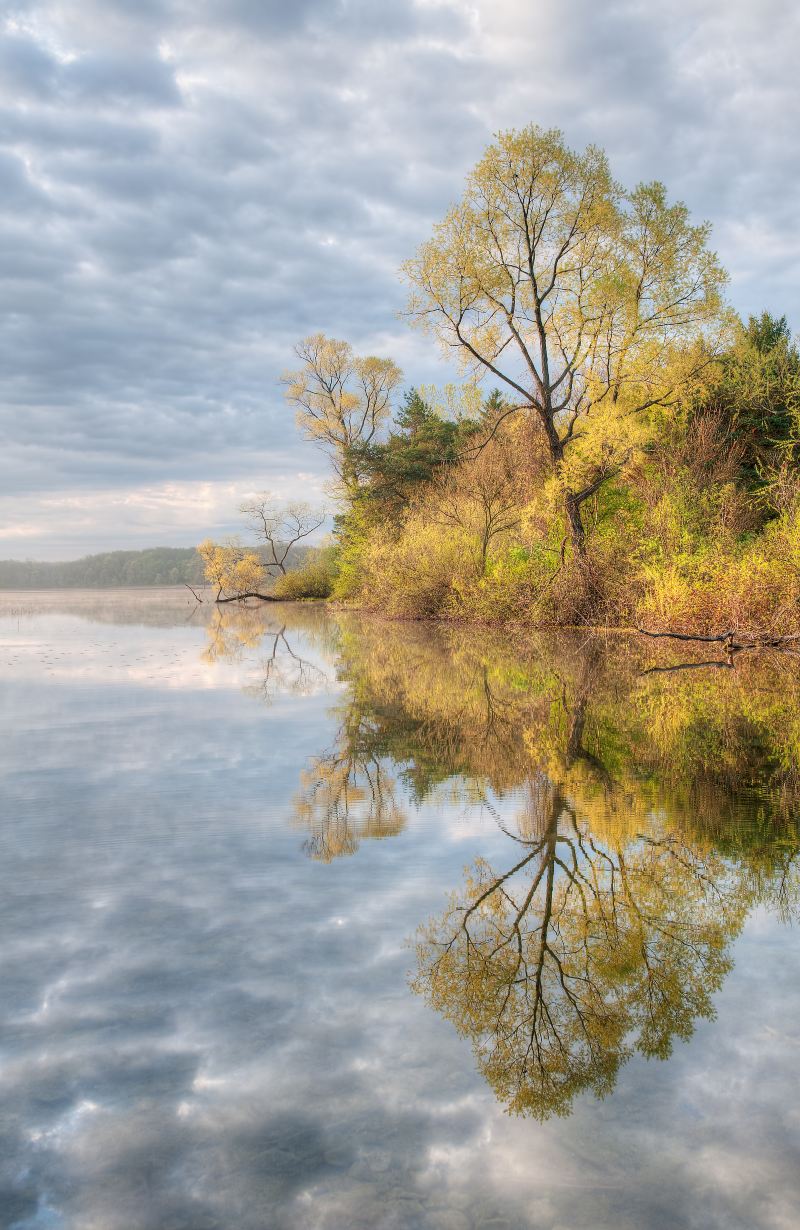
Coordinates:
(484,499)
(281,527)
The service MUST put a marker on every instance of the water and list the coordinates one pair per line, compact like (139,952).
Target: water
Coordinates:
(313,921)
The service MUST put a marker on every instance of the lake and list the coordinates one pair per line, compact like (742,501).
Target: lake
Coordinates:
(311,920)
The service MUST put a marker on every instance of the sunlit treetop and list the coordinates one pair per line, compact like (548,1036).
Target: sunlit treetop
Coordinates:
(586,302)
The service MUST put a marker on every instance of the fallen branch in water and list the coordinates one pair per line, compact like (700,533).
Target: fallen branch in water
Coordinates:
(715,663)
(252,594)
(757,641)
(687,636)
(193,591)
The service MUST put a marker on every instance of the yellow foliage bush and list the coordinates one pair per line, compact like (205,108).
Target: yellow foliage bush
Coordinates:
(231,568)
(420,574)
(313,579)
(755,589)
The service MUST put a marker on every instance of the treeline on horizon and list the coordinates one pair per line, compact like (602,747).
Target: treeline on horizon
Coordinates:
(110,569)
(152,566)
(623,449)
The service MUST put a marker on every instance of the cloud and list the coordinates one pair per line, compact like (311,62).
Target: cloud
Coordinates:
(188,188)
(168,514)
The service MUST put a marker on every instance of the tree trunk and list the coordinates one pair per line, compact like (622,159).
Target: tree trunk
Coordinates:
(572,502)
(577,532)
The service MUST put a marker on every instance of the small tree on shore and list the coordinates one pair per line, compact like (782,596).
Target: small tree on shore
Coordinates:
(238,572)
(235,571)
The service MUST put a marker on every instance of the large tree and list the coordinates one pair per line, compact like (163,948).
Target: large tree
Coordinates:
(588,303)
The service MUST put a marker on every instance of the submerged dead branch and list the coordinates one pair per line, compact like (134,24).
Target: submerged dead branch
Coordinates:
(756,641)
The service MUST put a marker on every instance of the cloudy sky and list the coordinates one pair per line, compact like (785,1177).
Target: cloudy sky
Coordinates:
(189,186)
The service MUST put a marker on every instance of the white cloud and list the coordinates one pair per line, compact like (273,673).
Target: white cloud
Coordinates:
(178,514)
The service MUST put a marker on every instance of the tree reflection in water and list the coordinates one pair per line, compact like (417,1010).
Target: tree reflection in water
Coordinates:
(347,796)
(234,632)
(579,953)
(655,809)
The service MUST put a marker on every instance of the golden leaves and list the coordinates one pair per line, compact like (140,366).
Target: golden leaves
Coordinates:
(233,569)
(586,301)
(341,399)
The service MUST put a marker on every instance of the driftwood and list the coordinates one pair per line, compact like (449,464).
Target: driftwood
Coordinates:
(760,640)
(194,592)
(253,594)
(714,663)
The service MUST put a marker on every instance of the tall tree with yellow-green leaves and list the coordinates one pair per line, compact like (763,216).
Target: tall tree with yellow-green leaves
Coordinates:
(589,304)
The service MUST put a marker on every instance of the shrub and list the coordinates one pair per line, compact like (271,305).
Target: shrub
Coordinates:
(418,575)
(313,579)
(755,588)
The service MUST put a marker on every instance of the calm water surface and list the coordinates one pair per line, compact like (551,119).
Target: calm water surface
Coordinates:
(310,921)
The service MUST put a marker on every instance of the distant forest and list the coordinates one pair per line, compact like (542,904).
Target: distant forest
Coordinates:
(155,566)
(112,569)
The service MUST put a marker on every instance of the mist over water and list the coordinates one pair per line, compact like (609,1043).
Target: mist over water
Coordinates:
(308,920)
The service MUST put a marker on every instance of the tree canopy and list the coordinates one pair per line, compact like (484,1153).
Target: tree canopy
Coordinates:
(341,399)
(589,303)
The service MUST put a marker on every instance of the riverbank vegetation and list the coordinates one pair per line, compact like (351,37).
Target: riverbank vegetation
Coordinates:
(622,448)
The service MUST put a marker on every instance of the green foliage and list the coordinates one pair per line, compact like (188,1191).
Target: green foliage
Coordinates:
(315,578)
(759,395)
(421,442)
(352,535)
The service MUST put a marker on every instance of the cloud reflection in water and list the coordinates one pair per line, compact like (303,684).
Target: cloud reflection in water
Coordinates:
(203,1026)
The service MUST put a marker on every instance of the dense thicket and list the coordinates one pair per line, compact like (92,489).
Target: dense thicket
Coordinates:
(699,529)
(458,514)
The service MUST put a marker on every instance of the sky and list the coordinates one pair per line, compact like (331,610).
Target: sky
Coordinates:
(189,187)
